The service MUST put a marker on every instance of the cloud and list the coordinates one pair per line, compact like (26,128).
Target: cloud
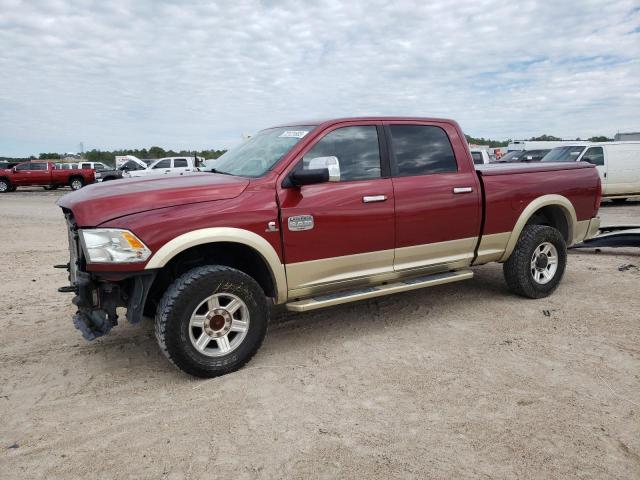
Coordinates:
(199,74)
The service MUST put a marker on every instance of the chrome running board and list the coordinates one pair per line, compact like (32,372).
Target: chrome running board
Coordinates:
(347,296)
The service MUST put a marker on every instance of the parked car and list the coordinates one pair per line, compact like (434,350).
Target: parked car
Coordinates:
(312,215)
(618,164)
(568,153)
(5,165)
(480,156)
(523,156)
(97,166)
(66,166)
(43,174)
(166,166)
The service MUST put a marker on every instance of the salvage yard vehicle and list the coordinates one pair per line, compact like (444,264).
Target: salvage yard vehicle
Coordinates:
(43,174)
(480,156)
(166,166)
(523,156)
(618,164)
(311,215)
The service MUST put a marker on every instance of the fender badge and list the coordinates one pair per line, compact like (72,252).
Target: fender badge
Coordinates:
(299,223)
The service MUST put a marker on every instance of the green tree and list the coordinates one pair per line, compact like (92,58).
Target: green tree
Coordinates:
(47,156)
(482,141)
(601,138)
(545,138)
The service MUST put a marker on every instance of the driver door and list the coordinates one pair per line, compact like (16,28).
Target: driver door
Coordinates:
(340,233)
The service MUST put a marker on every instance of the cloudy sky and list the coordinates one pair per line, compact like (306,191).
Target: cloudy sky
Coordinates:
(180,74)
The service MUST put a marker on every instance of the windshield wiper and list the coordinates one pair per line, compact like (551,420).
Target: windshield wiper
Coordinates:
(213,170)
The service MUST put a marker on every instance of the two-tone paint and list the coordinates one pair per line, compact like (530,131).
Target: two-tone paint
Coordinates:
(426,223)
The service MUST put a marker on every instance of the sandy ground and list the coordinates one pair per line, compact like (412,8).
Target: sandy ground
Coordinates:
(457,381)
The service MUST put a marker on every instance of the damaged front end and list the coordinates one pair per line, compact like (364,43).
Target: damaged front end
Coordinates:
(99,294)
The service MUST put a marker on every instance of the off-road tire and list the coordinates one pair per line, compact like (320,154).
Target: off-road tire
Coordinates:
(181,299)
(6,186)
(517,269)
(72,183)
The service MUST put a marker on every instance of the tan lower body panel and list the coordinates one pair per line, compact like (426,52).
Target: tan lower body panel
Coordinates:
(332,274)
(417,256)
(307,276)
(492,247)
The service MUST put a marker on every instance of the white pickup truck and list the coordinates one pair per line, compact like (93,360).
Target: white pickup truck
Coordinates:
(166,166)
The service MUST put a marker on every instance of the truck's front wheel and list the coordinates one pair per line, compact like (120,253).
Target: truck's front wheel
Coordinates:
(212,320)
(537,264)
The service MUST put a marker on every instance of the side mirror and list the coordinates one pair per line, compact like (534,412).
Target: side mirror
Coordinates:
(318,170)
(330,163)
(14,169)
(309,177)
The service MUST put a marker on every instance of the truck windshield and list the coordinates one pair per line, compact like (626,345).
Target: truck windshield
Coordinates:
(256,156)
(563,154)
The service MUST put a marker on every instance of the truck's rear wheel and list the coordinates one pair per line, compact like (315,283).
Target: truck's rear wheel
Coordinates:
(76,183)
(537,264)
(212,320)
(5,186)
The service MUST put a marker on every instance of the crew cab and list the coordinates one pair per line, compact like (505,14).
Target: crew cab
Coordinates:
(166,166)
(311,215)
(43,174)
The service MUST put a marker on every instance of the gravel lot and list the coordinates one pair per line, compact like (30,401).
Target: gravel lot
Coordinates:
(456,381)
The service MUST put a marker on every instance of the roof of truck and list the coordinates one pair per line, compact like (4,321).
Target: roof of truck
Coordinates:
(324,121)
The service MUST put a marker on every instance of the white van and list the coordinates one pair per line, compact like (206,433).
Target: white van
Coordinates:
(619,166)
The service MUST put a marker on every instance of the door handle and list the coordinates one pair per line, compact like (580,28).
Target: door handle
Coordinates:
(373,198)
(462,189)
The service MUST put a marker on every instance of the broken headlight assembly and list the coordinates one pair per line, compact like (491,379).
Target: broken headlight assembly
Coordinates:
(112,245)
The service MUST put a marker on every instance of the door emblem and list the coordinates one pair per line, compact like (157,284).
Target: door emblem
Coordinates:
(299,223)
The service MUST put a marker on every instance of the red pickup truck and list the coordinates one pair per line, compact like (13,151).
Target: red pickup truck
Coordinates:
(311,215)
(43,174)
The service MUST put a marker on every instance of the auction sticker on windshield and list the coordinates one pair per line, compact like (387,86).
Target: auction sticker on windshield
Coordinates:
(294,133)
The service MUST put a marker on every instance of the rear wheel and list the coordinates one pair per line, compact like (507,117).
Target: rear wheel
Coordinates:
(5,186)
(537,264)
(212,320)
(76,183)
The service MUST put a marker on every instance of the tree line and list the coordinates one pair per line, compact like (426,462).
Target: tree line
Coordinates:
(109,157)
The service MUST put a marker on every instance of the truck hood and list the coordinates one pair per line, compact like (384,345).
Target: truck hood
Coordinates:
(98,203)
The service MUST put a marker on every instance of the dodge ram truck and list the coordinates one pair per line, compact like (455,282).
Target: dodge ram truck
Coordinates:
(43,174)
(310,215)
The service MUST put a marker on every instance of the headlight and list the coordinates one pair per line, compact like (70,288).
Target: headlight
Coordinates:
(112,245)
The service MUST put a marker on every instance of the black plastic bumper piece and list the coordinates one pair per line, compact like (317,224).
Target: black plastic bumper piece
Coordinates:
(97,299)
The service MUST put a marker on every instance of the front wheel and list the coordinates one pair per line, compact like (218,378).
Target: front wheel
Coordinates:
(5,186)
(76,183)
(537,263)
(211,320)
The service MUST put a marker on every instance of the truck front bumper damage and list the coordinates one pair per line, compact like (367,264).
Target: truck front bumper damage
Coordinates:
(98,297)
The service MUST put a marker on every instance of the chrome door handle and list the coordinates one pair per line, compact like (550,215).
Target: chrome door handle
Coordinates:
(462,189)
(373,198)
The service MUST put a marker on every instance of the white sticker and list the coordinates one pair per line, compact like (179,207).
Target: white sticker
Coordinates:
(294,133)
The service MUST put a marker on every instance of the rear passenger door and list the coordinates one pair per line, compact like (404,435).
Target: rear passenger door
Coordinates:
(180,165)
(437,197)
